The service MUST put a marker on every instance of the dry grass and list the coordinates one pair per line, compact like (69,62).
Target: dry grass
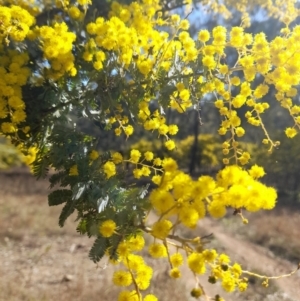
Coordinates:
(42,262)
(278,230)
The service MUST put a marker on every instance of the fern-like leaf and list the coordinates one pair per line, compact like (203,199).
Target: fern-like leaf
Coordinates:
(40,168)
(98,249)
(56,178)
(68,209)
(58,197)
(112,251)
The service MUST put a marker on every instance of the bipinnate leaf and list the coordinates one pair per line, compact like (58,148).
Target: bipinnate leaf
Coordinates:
(67,210)
(58,197)
(98,249)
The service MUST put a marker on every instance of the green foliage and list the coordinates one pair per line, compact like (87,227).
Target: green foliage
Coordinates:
(67,210)
(126,207)
(98,249)
(59,197)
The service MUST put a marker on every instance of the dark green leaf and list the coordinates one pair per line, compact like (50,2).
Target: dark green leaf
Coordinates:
(56,178)
(40,167)
(114,241)
(66,212)
(98,249)
(58,197)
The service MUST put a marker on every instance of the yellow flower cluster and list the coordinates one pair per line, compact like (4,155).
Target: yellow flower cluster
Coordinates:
(127,36)
(107,228)
(155,121)
(124,125)
(180,99)
(13,75)
(284,10)
(157,250)
(29,155)
(30,6)
(109,169)
(75,13)
(144,166)
(128,33)
(277,62)
(137,271)
(73,171)
(242,190)
(198,260)
(189,200)
(220,269)
(161,229)
(15,23)
(57,43)
(94,155)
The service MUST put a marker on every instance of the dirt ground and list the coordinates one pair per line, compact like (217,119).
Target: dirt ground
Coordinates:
(43,262)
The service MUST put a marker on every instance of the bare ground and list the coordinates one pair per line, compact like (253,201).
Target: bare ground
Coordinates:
(42,262)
